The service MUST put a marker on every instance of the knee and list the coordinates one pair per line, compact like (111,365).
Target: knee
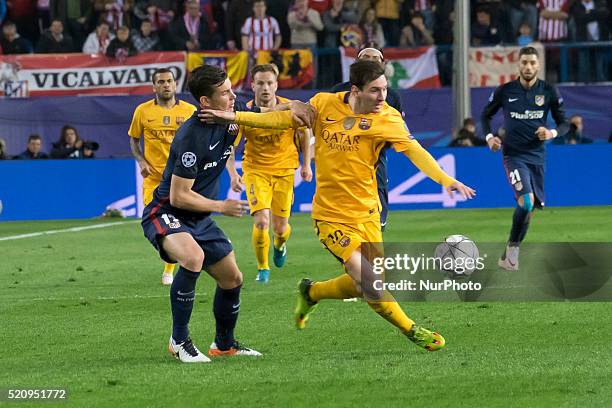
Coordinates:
(194,261)
(262,222)
(232,280)
(279,228)
(526,202)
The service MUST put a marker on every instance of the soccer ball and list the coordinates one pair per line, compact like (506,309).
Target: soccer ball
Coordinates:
(458,256)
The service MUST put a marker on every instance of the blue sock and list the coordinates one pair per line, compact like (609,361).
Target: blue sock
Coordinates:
(182,295)
(226,308)
(520,224)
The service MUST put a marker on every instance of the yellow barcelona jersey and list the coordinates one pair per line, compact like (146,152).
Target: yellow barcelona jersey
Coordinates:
(269,151)
(158,126)
(347,147)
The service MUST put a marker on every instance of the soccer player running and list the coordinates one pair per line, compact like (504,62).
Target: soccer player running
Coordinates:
(526,103)
(350,130)
(157,121)
(177,221)
(270,160)
(394,100)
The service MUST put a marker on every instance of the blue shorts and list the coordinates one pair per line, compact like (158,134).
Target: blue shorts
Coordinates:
(525,178)
(158,222)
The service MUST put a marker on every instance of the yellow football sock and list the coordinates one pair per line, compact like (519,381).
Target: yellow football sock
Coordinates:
(279,240)
(393,313)
(342,287)
(261,245)
(169,268)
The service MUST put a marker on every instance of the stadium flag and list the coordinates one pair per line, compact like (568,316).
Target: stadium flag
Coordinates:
(295,66)
(494,66)
(235,63)
(406,68)
(80,74)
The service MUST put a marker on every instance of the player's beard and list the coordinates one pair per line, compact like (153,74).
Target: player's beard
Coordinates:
(528,78)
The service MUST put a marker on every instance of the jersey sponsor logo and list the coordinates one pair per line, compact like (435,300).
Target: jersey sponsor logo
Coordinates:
(491,96)
(328,119)
(539,100)
(341,141)
(529,114)
(225,155)
(512,99)
(166,120)
(150,120)
(349,123)
(211,147)
(188,159)
(271,139)
(365,124)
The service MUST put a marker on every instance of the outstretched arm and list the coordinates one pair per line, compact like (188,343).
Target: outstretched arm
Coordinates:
(301,114)
(426,163)
(305,137)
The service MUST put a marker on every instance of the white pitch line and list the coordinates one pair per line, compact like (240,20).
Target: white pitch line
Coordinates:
(97,298)
(74,229)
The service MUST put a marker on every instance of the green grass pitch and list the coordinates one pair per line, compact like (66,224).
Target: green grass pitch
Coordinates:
(85,311)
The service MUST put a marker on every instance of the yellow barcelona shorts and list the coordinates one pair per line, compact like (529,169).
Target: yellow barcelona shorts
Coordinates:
(343,239)
(266,191)
(148,187)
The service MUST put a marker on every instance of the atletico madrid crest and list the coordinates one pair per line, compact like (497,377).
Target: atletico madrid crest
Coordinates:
(539,100)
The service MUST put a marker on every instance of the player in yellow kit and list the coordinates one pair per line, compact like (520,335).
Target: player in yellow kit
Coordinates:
(268,167)
(350,129)
(157,121)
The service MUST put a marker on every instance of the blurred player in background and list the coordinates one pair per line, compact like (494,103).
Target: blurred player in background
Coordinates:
(526,103)
(270,160)
(157,120)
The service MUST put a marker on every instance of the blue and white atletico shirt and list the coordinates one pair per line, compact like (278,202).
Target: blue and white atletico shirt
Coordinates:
(524,111)
(199,151)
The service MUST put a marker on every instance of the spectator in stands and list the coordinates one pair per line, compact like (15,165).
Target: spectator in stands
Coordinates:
(158,12)
(145,39)
(590,18)
(3,155)
(425,8)
(525,38)
(388,13)
(23,14)
(117,13)
(70,146)
(321,6)
(519,12)
(97,42)
(74,15)
(483,31)
(334,19)
(34,149)
(575,134)
(466,137)
(236,15)
(304,23)
(190,31)
(415,34)
(54,41)
(372,30)
(260,32)
(121,46)
(553,19)
(12,42)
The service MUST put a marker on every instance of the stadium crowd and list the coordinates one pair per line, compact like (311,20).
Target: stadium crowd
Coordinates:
(125,27)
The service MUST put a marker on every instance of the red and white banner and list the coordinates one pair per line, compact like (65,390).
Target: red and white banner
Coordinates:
(494,66)
(80,74)
(406,68)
